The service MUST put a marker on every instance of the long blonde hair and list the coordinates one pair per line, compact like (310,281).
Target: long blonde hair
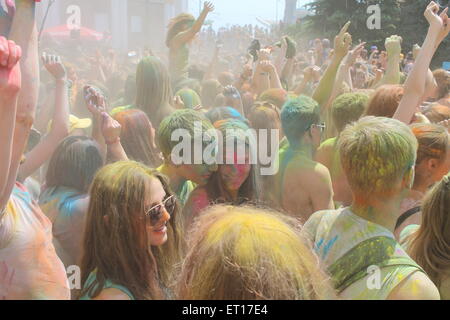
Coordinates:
(245,253)
(430,245)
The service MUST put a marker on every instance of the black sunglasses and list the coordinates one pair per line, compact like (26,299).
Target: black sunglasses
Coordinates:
(155,213)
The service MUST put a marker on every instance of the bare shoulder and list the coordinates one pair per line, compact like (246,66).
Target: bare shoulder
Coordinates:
(313,172)
(112,294)
(328,147)
(417,286)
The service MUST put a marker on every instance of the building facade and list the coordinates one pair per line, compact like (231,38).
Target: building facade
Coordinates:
(133,24)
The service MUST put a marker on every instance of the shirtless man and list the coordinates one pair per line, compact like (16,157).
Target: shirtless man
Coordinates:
(303,185)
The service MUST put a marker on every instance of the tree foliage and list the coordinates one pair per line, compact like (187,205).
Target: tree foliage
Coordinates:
(401,17)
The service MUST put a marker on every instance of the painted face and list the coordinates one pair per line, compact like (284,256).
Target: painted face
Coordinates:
(157,231)
(235,171)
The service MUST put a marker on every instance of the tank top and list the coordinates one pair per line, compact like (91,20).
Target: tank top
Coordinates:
(108,285)
(363,258)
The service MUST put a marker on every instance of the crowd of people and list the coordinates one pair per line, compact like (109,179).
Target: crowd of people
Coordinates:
(358,208)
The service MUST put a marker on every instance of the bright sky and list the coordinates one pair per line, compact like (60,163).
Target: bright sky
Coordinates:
(242,11)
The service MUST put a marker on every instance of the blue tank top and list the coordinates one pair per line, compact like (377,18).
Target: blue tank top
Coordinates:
(108,285)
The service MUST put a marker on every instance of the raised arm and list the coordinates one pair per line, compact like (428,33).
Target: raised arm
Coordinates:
(308,76)
(24,33)
(415,84)
(286,73)
(266,77)
(60,123)
(96,104)
(111,133)
(10,82)
(343,75)
(189,34)
(342,44)
(394,49)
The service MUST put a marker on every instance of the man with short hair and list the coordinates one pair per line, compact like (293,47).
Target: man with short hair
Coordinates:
(357,244)
(183,176)
(303,185)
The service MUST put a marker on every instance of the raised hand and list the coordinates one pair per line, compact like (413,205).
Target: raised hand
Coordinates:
(354,54)
(433,17)
(95,101)
(446,26)
(208,7)
(10,76)
(54,66)
(110,129)
(308,74)
(266,66)
(178,103)
(393,45)
(416,50)
(291,47)
(264,54)
(342,42)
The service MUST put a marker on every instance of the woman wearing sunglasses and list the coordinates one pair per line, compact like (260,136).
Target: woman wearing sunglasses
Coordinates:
(132,237)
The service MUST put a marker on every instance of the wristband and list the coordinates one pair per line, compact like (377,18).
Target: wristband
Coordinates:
(264,73)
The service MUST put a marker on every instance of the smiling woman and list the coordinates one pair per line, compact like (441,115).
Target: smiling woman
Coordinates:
(131,214)
(235,182)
